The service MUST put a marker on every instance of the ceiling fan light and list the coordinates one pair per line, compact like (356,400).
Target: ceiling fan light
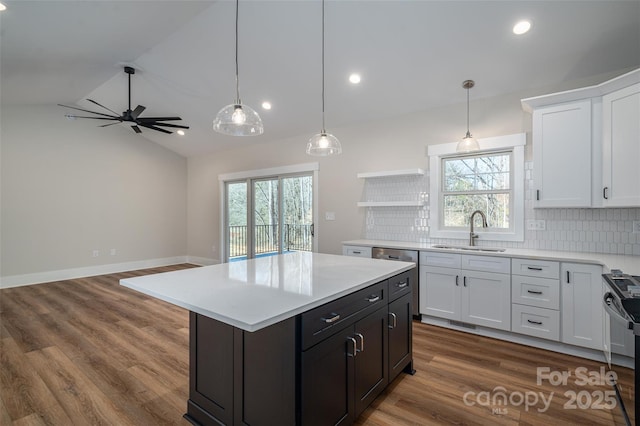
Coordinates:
(238,120)
(323,144)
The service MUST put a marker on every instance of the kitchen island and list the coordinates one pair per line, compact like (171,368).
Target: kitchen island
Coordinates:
(293,339)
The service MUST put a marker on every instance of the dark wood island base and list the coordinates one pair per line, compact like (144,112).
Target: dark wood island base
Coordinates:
(321,367)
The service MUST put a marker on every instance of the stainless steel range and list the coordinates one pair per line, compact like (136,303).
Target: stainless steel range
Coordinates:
(622,335)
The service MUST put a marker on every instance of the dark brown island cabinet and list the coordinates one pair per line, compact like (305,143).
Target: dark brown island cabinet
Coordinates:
(321,367)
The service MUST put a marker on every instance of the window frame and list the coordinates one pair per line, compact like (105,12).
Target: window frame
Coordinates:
(512,143)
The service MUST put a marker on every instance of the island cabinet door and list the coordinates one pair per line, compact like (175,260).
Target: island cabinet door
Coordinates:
(400,335)
(371,365)
(327,396)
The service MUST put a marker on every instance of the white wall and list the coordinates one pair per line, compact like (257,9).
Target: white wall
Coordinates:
(69,188)
(385,145)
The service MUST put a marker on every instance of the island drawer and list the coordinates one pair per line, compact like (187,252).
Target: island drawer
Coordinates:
(400,284)
(321,322)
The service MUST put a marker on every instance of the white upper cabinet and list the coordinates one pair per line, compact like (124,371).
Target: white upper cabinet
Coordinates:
(562,155)
(621,148)
(586,145)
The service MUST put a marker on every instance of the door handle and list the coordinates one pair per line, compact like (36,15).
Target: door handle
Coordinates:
(361,342)
(333,319)
(354,347)
(402,284)
(373,298)
(395,320)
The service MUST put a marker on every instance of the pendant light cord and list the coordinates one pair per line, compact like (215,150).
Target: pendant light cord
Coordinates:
(323,129)
(468,110)
(237,79)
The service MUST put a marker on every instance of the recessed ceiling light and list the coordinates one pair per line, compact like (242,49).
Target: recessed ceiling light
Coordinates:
(521,27)
(266,105)
(354,78)
(2,7)
(180,132)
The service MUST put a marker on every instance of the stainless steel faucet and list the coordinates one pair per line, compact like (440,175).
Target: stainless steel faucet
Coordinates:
(472,236)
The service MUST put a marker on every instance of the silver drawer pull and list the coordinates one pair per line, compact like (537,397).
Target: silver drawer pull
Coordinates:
(531,268)
(334,318)
(534,322)
(534,292)
(402,284)
(373,298)
(356,252)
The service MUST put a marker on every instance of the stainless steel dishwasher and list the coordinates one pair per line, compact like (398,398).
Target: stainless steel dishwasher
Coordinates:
(404,256)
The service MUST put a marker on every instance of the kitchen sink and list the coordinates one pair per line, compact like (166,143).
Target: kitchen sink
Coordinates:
(471,248)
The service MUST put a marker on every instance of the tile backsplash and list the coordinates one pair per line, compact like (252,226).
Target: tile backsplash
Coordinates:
(575,229)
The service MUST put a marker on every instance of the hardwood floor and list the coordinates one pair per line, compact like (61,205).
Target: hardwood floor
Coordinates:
(91,352)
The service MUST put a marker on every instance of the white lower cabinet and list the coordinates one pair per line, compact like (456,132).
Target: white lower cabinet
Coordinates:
(470,296)
(582,310)
(538,322)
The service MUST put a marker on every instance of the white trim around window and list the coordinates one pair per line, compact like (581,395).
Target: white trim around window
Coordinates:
(514,143)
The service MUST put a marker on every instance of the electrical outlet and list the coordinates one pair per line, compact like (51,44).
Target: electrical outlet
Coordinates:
(636,227)
(536,225)
(330,216)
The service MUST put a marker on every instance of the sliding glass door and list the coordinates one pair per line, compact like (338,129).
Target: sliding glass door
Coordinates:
(267,216)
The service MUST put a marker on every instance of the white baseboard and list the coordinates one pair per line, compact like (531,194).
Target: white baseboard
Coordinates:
(202,261)
(88,271)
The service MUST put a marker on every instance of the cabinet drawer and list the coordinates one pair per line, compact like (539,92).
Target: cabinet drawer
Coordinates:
(501,265)
(538,322)
(321,322)
(401,284)
(358,251)
(532,291)
(535,268)
(443,260)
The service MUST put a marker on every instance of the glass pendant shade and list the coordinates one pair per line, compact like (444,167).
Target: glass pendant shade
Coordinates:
(323,144)
(238,120)
(468,144)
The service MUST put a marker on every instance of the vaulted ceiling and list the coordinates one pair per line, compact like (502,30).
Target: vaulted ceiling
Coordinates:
(412,55)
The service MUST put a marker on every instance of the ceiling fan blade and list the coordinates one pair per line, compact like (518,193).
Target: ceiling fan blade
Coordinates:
(149,126)
(136,129)
(95,118)
(100,105)
(175,126)
(110,124)
(91,112)
(136,112)
(159,118)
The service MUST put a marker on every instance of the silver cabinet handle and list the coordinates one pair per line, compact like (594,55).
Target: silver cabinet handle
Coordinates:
(402,284)
(361,342)
(394,323)
(534,292)
(355,347)
(333,319)
(356,252)
(373,298)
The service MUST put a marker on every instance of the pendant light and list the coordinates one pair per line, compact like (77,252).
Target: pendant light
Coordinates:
(323,143)
(238,119)
(468,143)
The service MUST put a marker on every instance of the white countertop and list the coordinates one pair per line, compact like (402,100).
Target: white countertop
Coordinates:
(628,264)
(253,294)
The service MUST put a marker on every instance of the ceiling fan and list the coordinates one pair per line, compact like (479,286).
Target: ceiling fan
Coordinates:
(129,116)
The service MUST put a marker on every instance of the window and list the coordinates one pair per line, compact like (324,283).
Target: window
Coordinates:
(478,182)
(491,180)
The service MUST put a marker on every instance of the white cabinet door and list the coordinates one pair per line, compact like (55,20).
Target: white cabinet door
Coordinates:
(562,155)
(621,148)
(582,310)
(486,299)
(440,292)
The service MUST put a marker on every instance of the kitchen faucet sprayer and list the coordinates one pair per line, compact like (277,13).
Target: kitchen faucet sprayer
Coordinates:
(472,236)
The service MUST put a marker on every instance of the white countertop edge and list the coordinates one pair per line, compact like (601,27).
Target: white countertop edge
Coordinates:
(255,326)
(629,264)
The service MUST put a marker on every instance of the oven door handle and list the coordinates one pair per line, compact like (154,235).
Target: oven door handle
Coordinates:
(614,312)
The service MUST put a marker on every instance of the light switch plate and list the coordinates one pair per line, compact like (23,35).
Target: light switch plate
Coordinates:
(330,216)
(536,225)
